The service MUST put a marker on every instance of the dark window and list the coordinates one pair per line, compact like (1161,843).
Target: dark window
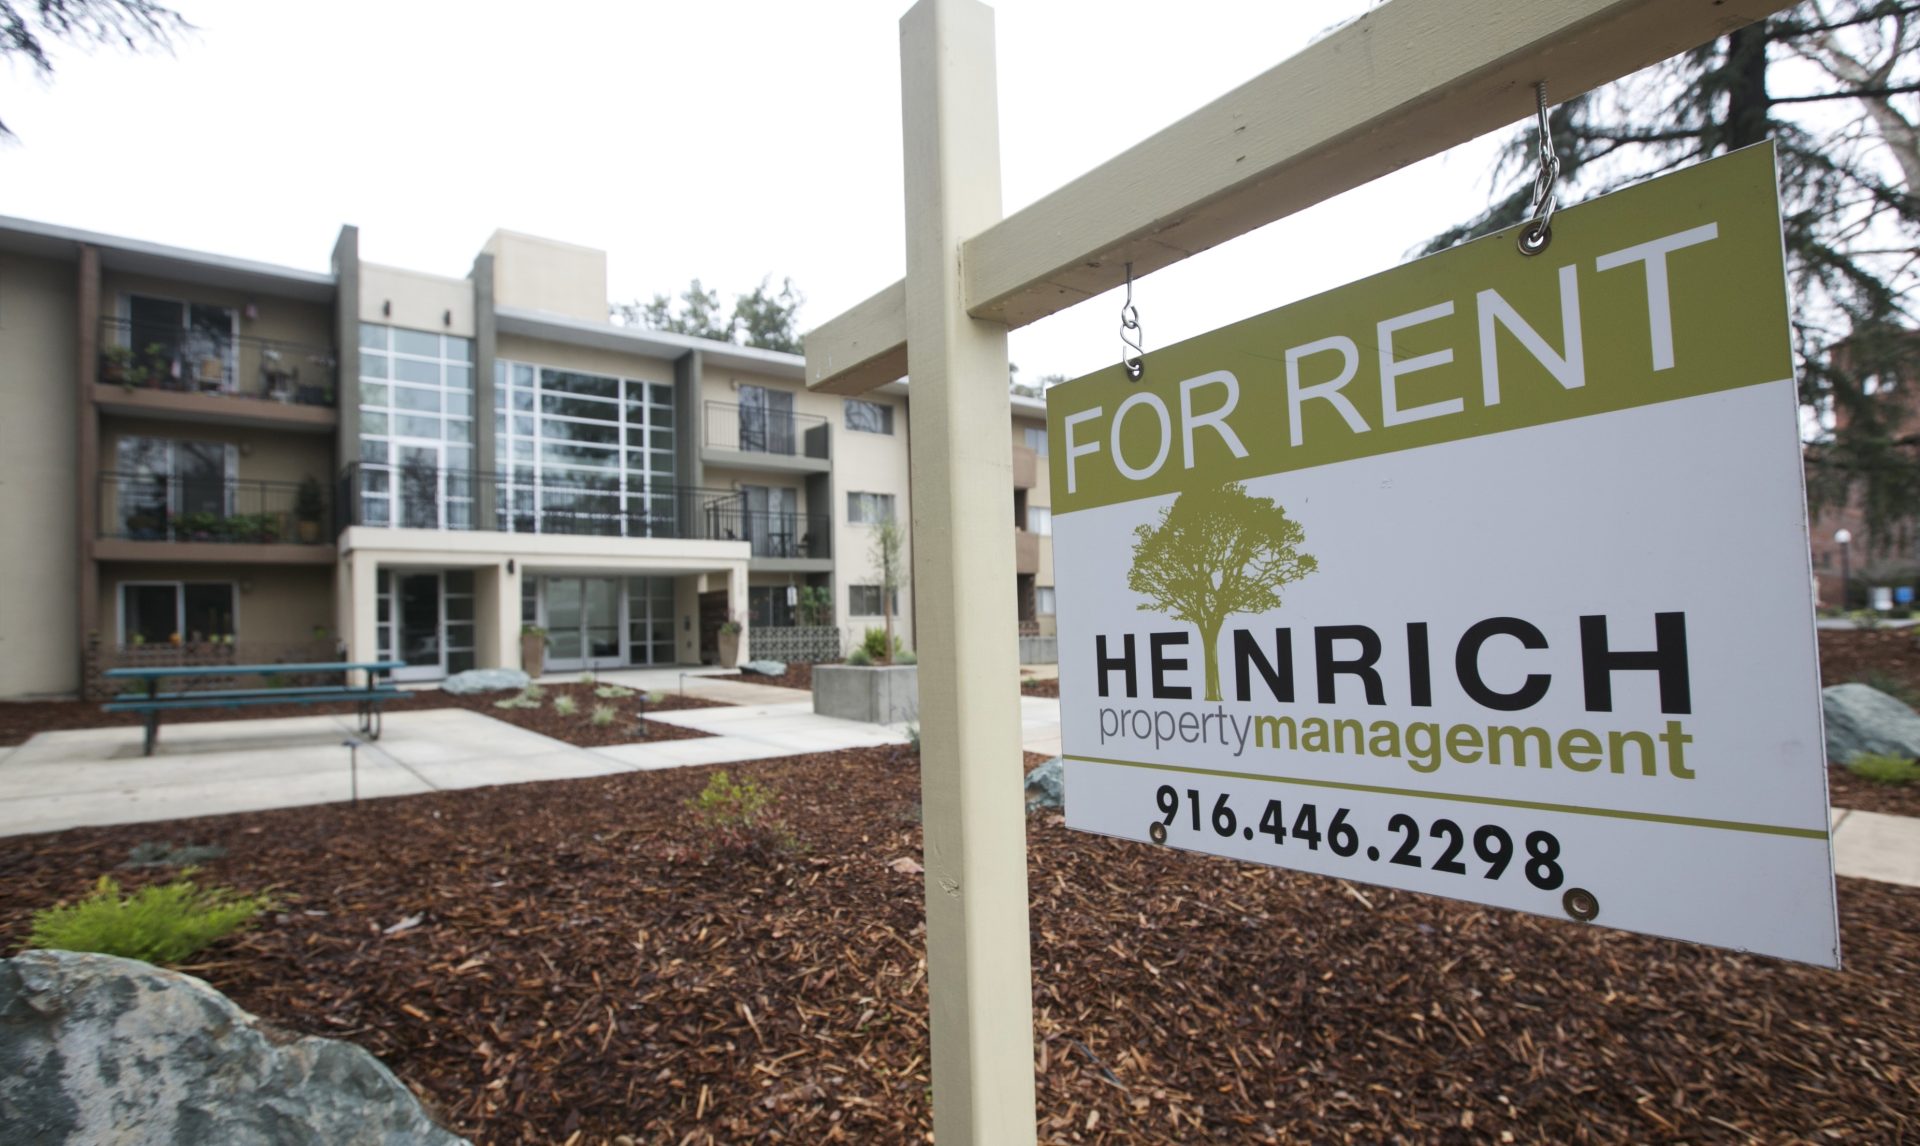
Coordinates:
(869,417)
(155,613)
(864,601)
(768,605)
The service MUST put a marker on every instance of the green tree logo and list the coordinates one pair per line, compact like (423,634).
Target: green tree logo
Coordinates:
(1214,553)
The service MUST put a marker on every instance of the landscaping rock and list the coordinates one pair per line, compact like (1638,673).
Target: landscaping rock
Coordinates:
(95,1048)
(1863,719)
(1047,785)
(765,668)
(486,680)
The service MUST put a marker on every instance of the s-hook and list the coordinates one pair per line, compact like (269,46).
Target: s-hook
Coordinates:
(1132,352)
(1538,232)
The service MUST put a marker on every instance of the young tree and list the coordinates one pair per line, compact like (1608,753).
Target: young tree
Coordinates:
(27,25)
(1844,123)
(1214,553)
(766,319)
(889,544)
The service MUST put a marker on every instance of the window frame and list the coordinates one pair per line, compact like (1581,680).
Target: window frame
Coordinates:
(179,605)
(123,312)
(885,410)
(1044,518)
(1036,439)
(853,499)
(1045,603)
(877,591)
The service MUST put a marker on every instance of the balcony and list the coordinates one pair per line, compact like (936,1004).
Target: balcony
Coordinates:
(152,517)
(783,542)
(1026,551)
(422,497)
(1026,467)
(195,375)
(763,438)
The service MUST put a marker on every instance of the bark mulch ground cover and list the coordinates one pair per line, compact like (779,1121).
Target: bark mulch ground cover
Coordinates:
(24,719)
(799,674)
(582,968)
(1048,687)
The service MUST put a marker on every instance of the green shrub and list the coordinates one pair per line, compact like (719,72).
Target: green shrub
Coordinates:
(526,699)
(908,657)
(656,697)
(164,923)
(563,705)
(874,644)
(588,679)
(612,692)
(736,817)
(1866,619)
(1892,771)
(535,693)
(603,715)
(859,656)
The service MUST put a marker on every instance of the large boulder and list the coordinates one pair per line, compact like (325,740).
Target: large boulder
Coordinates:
(1047,785)
(95,1049)
(486,680)
(1863,719)
(764,667)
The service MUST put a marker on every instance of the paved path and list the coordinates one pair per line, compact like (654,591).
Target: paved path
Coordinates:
(97,776)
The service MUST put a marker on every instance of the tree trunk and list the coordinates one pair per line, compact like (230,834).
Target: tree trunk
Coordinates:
(1209,649)
(1746,82)
(886,615)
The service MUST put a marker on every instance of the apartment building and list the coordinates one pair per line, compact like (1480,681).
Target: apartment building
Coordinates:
(1032,518)
(263,463)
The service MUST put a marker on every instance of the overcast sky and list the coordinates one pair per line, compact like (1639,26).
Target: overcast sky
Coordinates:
(723,140)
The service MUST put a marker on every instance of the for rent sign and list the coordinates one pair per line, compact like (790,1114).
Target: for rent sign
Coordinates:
(1485,577)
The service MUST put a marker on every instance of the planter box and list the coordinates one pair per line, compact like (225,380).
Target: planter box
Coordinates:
(874,695)
(1039,650)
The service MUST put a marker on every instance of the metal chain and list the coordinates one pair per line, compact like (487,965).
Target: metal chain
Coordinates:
(1133,352)
(1538,232)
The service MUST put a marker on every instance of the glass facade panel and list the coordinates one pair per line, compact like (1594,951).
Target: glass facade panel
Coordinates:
(580,476)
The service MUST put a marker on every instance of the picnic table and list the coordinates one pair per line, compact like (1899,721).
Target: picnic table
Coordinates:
(375,691)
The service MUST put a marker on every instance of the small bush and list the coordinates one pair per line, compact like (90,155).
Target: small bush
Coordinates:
(563,705)
(589,679)
(656,697)
(535,693)
(736,817)
(1866,619)
(151,853)
(164,923)
(875,645)
(913,736)
(603,715)
(907,657)
(859,657)
(612,692)
(524,700)
(1891,771)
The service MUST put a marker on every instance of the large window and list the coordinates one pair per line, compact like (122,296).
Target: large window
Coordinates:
(166,487)
(198,343)
(583,453)
(1040,520)
(160,612)
(869,417)
(1036,439)
(864,601)
(771,606)
(416,428)
(869,508)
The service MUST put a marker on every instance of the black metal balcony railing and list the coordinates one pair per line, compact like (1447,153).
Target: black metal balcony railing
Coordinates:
(754,429)
(774,533)
(154,507)
(146,356)
(419,497)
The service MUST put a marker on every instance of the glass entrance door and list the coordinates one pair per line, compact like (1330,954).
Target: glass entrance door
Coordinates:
(416,607)
(583,623)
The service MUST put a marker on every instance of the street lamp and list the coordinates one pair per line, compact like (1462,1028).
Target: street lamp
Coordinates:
(1844,538)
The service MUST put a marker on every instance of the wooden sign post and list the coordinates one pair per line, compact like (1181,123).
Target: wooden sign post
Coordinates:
(1405,81)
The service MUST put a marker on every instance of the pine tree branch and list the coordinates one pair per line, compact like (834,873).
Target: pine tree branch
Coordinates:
(1857,93)
(1786,29)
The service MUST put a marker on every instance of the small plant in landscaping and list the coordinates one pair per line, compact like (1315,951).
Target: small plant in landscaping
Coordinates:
(164,923)
(1866,619)
(736,816)
(859,657)
(908,657)
(564,705)
(874,644)
(603,715)
(656,697)
(151,853)
(588,679)
(1892,771)
(526,699)
(535,693)
(612,692)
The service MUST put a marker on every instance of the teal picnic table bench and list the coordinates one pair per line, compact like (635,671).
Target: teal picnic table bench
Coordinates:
(368,696)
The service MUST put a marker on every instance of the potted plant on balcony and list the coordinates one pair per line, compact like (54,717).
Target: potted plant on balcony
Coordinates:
(730,630)
(308,506)
(199,526)
(533,650)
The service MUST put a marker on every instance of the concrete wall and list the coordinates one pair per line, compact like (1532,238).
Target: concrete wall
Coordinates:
(545,274)
(274,604)
(39,648)
(419,301)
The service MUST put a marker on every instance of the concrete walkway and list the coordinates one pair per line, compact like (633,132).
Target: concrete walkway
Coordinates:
(1874,845)
(96,776)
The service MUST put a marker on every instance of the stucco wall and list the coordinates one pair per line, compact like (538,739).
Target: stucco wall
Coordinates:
(39,647)
(273,604)
(587,359)
(419,301)
(546,274)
